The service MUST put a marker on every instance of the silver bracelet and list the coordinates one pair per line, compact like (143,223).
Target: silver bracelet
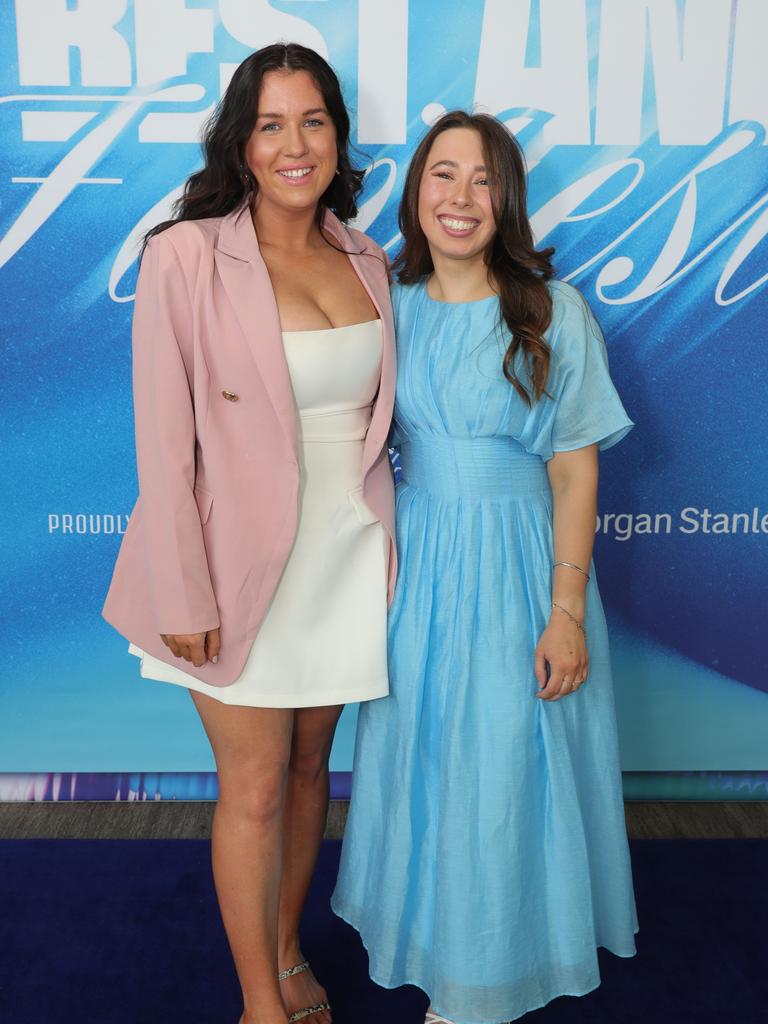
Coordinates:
(570,565)
(573,618)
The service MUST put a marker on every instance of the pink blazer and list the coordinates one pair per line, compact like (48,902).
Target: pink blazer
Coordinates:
(217,512)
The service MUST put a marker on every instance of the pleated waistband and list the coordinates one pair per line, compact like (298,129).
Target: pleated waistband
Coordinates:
(334,425)
(482,467)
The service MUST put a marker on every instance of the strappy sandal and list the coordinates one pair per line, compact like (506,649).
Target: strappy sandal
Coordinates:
(306,1011)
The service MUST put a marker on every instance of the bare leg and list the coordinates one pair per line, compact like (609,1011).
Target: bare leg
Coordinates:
(252,751)
(306,810)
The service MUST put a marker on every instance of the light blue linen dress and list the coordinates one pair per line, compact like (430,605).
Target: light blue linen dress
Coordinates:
(485,856)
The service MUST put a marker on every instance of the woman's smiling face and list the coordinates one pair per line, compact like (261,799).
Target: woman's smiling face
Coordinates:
(455,211)
(291,151)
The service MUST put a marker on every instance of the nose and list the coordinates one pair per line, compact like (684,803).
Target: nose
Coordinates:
(462,196)
(294,143)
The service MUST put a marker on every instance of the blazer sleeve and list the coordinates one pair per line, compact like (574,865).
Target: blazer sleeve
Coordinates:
(163,395)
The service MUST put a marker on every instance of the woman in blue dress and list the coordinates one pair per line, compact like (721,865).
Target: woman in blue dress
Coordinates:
(485,858)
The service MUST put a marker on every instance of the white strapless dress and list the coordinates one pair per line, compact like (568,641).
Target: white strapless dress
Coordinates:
(323,640)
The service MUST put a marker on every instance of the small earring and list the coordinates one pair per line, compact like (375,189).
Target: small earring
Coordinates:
(338,171)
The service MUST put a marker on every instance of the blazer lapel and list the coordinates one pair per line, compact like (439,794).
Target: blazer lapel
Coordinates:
(374,279)
(245,278)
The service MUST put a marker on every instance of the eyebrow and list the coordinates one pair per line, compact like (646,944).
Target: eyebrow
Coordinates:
(452,163)
(279,117)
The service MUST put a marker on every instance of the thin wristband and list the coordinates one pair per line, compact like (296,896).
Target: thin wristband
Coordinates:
(573,618)
(570,565)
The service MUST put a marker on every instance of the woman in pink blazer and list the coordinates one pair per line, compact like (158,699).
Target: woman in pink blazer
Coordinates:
(257,563)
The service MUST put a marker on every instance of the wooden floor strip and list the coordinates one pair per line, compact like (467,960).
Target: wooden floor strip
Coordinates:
(192,820)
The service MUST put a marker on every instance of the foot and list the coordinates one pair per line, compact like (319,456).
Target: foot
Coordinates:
(435,1018)
(279,1018)
(301,991)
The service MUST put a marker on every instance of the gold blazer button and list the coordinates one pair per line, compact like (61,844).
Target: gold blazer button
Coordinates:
(231,396)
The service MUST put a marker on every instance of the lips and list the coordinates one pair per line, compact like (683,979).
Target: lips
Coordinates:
(295,175)
(458,225)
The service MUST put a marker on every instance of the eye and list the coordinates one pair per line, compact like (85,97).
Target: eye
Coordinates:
(268,127)
(481,181)
(314,122)
(446,175)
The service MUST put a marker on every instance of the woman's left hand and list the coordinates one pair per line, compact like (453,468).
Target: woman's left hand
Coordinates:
(563,647)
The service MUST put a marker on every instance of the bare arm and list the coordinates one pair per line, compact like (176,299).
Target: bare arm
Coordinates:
(562,646)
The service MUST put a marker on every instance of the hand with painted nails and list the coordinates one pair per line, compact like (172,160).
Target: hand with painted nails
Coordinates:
(195,647)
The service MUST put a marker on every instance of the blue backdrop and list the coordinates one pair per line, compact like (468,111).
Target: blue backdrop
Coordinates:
(644,125)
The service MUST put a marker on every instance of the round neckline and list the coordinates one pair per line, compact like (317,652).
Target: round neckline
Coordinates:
(466,302)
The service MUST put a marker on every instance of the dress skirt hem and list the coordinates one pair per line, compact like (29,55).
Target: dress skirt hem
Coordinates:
(391,982)
(366,691)
(369,692)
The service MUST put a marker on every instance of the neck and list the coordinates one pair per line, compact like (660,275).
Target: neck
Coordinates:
(459,280)
(294,231)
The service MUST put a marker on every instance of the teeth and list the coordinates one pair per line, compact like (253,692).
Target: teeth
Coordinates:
(458,225)
(301,173)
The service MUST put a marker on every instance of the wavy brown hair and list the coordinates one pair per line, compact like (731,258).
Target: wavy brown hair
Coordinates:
(225,181)
(516,269)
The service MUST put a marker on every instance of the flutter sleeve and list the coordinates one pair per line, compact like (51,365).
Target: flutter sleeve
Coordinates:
(584,407)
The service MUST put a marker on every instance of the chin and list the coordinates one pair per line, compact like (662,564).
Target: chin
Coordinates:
(459,253)
(295,202)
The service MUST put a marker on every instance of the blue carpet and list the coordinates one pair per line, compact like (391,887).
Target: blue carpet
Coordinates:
(127,932)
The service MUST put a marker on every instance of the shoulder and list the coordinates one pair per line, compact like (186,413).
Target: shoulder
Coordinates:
(366,246)
(187,240)
(571,314)
(566,300)
(402,296)
(175,257)
(182,252)
(364,243)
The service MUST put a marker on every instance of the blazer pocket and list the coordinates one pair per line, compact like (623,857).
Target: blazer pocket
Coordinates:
(364,514)
(204,501)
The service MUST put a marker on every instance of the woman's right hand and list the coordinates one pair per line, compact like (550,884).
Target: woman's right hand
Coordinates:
(195,647)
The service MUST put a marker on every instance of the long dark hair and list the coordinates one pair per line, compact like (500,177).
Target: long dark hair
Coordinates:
(515,268)
(225,181)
